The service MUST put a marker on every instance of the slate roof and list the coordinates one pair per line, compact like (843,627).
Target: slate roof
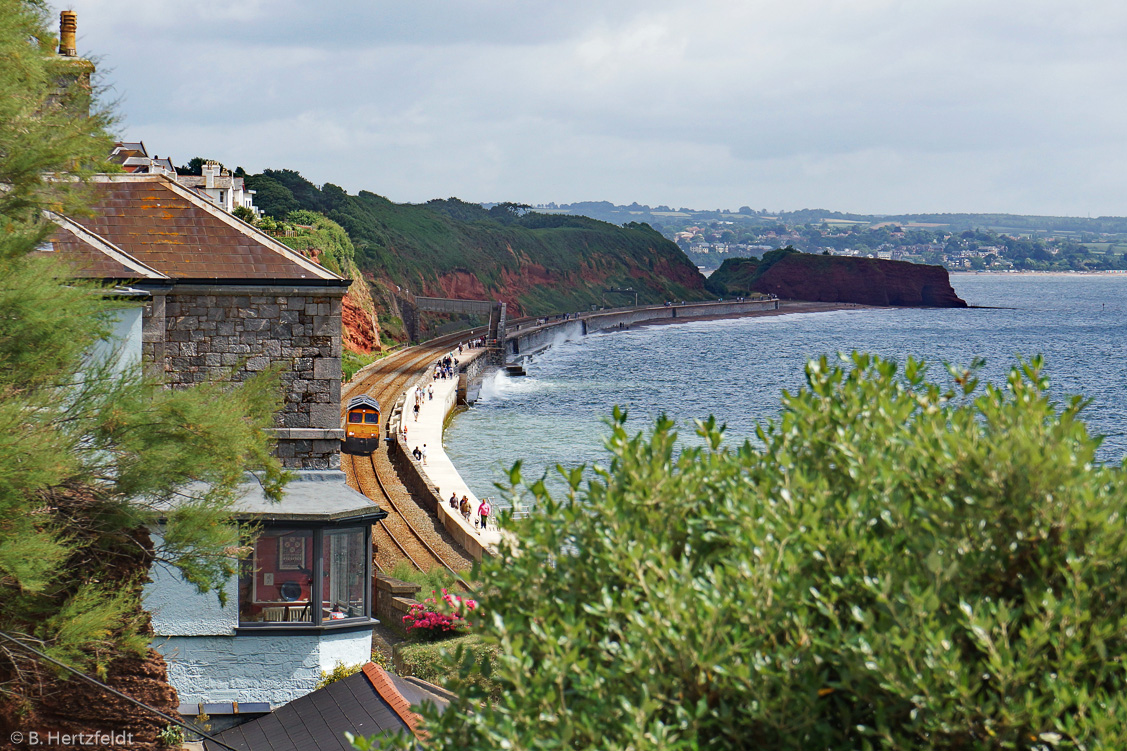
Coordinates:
(367,703)
(182,235)
(91,257)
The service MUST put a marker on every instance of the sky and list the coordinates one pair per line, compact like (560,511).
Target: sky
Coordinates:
(869,106)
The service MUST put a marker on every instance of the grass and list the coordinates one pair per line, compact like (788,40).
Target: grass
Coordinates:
(435,580)
(436,661)
(350,362)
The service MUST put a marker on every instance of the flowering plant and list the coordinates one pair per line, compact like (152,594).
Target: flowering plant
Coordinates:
(438,617)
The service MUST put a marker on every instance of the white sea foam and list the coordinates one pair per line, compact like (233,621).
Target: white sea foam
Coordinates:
(499,385)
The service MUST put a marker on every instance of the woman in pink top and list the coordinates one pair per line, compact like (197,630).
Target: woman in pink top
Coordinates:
(484,510)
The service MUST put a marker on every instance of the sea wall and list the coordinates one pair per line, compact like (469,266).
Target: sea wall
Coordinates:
(542,336)
(527,339)
(414,476)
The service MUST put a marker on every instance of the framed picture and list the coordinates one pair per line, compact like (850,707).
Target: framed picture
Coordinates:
(291,552)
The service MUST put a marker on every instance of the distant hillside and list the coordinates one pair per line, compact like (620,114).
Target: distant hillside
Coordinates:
(671,219)
(537,263)
(790,274)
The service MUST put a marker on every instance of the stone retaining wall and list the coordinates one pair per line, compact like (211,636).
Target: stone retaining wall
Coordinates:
(392,600)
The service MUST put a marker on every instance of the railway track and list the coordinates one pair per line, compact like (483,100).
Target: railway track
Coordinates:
(410,532)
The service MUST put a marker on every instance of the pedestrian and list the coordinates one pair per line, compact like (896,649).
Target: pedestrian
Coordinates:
(454,501)
(417,454)
(430,393)
(416,411)
(483,510)
(465,508)
(424,452)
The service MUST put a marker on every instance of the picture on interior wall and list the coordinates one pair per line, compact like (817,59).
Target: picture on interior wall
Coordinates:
(292,557)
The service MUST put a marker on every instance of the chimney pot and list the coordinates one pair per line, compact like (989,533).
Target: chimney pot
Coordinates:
(68,26)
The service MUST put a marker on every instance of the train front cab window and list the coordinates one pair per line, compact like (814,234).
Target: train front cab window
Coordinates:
(372,418)
(356,416)
(306,577)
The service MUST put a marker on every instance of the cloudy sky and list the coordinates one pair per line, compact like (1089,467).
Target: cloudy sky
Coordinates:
(876,106)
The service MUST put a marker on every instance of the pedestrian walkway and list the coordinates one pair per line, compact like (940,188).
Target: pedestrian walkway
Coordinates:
(441,471)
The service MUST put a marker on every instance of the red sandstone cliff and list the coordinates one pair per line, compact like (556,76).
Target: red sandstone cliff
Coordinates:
(866,281)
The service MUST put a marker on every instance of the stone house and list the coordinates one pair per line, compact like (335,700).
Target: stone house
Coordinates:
(221,302)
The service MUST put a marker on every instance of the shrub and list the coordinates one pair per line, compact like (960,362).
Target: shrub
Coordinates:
(439,662)
(438,617)
(897,564)
(339,671)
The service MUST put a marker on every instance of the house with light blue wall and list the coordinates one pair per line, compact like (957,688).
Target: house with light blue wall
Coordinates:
(213,299)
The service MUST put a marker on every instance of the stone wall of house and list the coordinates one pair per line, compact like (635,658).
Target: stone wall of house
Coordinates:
(220,333)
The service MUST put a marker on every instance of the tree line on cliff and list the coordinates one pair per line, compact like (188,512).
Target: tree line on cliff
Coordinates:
(538,263)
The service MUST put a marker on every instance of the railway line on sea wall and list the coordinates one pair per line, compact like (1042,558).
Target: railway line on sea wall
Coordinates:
(412,531)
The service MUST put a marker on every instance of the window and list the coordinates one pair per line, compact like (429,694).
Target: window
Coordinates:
(343,593)
(371,418)
(306,577)
(356,416)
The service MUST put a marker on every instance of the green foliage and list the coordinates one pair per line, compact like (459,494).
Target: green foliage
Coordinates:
(568,259)
(91,451)
(735,276)
(440,662)
(172,736)
(351,362)
(896,564)
(42,128)
(435,580)
(340,670)
(242,212)
(328,238)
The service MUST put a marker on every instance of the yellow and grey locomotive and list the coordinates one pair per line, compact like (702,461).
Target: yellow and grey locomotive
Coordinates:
(362,425)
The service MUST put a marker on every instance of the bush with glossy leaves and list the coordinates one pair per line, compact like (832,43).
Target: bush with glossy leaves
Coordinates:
(895,564)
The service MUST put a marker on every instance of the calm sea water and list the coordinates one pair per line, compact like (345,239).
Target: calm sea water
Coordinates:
(737,369)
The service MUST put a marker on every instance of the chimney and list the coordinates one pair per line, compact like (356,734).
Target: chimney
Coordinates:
(210,172)
(68,25)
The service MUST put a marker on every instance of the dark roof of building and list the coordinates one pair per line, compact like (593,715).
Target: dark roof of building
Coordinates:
(91,257)
(367,703)
(312,495)
(184,236)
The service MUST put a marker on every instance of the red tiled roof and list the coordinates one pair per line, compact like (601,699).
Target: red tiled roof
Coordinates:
(381,682)
(182,235)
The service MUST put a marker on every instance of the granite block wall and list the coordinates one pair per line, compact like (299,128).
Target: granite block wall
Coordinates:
(217,334)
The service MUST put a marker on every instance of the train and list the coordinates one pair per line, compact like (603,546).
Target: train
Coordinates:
(361,425)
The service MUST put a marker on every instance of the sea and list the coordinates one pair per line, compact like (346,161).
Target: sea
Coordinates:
(737,369)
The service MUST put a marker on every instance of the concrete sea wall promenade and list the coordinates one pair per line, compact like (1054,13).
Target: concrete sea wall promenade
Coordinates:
(433,482)
(529,337)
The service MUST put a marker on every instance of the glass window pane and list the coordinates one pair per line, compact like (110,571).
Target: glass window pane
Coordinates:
(371,418)
(276,582)
(356,417)
(344,592)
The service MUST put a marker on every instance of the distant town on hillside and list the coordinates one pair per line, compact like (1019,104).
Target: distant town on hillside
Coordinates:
(996,242)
